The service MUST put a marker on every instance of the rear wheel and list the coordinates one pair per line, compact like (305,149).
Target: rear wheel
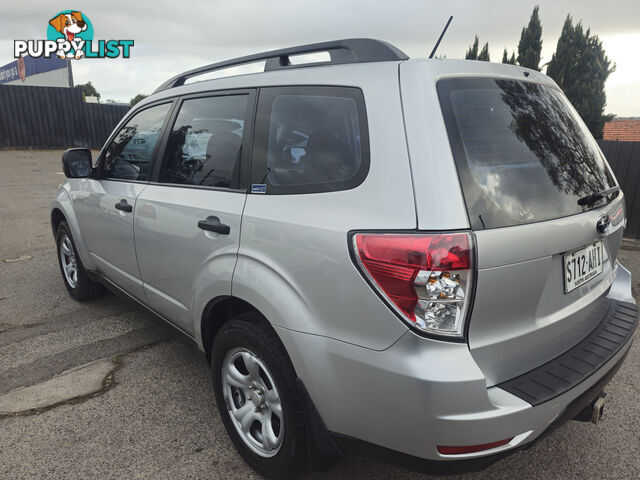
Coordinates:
(254,386)
(78,283)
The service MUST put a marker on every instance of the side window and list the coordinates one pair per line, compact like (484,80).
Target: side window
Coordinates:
(204,145)
(128,156)
(311,139)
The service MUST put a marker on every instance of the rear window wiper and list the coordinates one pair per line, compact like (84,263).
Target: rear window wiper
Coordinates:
(594,197)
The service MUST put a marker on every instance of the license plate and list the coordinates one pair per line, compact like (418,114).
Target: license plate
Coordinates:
(582,265)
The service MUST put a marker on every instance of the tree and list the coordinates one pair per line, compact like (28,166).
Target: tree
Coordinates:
(138,98)
(506,59)
(580,68)
(472,53)
(88,90)
(530,45)
(484,53)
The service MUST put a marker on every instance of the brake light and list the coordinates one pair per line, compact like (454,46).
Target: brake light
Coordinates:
(425,277)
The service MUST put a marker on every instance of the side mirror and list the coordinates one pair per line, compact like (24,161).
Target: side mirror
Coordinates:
(76,162)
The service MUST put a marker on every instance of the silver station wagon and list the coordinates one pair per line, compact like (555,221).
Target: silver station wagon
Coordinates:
(413,259)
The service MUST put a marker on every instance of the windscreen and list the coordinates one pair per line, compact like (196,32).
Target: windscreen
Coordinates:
(522,153)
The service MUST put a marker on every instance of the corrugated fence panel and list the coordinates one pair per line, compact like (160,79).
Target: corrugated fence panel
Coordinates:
(624,158)
(630,189)
(53,117)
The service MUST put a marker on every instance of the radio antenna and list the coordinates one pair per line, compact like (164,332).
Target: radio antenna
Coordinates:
(433,52)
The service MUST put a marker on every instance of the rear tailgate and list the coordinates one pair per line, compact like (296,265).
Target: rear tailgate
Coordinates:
(522,316)
(525,160)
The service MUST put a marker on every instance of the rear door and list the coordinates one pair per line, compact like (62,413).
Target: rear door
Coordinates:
(187,220)
(104,206)
(527,166)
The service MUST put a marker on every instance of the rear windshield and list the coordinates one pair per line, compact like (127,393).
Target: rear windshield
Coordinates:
(522,153)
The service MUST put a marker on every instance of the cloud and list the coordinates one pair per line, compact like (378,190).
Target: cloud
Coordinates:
(171,37)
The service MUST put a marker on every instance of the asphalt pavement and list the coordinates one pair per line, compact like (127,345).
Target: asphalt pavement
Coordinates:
(154,416)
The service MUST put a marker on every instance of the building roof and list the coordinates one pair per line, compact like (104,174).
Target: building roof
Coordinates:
(622,129)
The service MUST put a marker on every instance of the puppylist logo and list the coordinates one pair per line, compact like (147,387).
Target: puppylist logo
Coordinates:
(70,35)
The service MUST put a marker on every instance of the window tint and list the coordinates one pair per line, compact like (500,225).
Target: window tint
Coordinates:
(311,139)
(522,152)
(204,145)
(128,156)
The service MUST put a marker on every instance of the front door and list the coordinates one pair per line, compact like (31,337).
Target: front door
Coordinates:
(105,206)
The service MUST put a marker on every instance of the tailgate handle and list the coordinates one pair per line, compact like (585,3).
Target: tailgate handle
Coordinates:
(212,224)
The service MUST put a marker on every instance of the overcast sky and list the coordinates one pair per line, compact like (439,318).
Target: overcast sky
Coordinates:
(174,36)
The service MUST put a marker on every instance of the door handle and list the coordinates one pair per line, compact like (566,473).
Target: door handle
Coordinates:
(212,224)
(124,206)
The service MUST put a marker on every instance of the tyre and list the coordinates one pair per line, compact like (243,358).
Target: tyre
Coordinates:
(254,387)
(75,278)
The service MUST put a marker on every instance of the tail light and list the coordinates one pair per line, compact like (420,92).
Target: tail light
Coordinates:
(426,278)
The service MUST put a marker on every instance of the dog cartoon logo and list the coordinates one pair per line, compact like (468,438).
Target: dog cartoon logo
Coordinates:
(68,26)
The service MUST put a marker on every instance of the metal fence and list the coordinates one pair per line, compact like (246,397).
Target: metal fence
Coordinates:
(624,158)
(53,117)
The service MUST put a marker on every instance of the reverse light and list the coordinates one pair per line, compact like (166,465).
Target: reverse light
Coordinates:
(424,277)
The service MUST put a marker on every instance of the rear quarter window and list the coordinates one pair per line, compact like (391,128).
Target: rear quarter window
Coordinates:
(310,139)
(522,153)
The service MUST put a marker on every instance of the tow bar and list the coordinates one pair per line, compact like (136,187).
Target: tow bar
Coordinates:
(594,411)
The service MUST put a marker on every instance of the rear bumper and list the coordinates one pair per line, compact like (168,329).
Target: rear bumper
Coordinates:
(420,393)
(565,372)
(361,448)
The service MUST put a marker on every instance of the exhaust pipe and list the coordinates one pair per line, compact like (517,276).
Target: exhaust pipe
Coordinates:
(597,408)
(594,411)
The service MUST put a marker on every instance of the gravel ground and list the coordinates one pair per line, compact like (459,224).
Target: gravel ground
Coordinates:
(158,418)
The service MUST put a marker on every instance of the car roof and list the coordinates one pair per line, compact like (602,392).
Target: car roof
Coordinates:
(349,59)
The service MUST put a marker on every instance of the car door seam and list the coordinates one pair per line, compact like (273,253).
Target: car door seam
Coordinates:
(135,246)
(235,264)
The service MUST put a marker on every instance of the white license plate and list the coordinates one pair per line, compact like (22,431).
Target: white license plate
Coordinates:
(582,265)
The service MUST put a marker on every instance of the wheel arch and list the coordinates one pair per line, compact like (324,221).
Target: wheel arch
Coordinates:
(56,218)
(62,210)
(216,313)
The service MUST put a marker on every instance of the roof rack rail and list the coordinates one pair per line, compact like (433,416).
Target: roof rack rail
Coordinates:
(349,50)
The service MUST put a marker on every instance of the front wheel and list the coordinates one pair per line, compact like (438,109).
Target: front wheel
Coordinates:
(254,386)
(78,283)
